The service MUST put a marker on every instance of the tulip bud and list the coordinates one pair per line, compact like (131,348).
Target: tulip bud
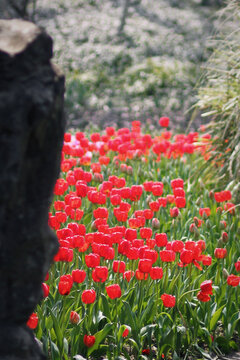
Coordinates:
(224,237)
(116,163)
(196,234)
(195,219)
(74,317)
(198,201)
(225,273)
(155,223)
(93,226)
(202,186)
(204,216)
(211,194)
(208,224)
(220,243)
(98,177)
(223,225)
(140,172)
(129,170)
(149,199)
(192,228)
(232,227)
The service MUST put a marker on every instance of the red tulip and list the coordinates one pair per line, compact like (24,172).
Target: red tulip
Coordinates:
(145,265)
(45,289)
(167,255)
(233,280)
(74,317)
(125,333)
(100,212)
(89,340)
(154,205)
(148,214)
(177,183)
(145,233)
(156,273)
(177,245)
(206,260)
(180,202)
(203,297)
(119,266)
(114,291)
(168,300)
(65,284)
(88,296)
(174,212)
(187,256)
(220,253)
(206,287)
(140,275)
(204,211)
(161,239)
(100,274)
(162,201)
(164,121)
(131,234)
(32,321)
(92,260)
(150,254)
(178,192)
(157,189)
(237,266)
(78,276)
(128,275)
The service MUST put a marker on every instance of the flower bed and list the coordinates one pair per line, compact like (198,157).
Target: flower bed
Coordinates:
(148,261)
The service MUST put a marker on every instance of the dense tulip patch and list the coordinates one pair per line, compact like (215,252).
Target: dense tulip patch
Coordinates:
(148,262)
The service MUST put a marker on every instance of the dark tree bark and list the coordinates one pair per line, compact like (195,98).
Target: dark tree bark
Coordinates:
(31,135)
(124,16)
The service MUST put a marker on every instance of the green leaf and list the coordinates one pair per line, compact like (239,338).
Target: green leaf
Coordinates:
(215,317)
(65,345)
(204,354)
(148,313)
(130,316)
(100,336)
(105,304)
(223,344)
(57,330)
(134,344)
(55,351)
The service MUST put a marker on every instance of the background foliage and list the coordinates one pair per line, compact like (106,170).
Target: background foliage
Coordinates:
(219,98)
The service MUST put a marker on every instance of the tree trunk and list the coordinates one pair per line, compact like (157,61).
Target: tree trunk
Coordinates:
(31,136)
(124,17)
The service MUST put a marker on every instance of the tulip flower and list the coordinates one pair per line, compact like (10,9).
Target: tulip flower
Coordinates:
(88,296)
(206,287)
(114,291)
(32,321)
(220,253)
(89,340)
(233,280)
(168,300)
(164,121)
(203,297)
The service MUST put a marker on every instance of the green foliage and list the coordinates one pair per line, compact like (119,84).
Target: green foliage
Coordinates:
(219,98)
